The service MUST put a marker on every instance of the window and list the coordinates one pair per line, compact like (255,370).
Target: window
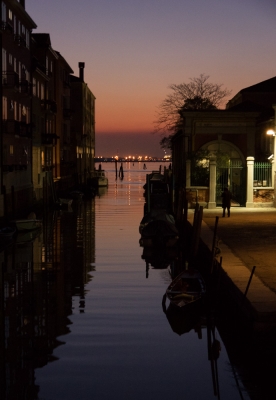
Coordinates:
(10,15)
(15,110)
(10,59)
(27,39)
(5,108)
(14,25)
(4,60)
(38,89)
(4,12)
(42,92)
(34,86)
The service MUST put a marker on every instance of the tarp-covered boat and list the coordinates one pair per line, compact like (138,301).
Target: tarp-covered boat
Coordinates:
(158,229)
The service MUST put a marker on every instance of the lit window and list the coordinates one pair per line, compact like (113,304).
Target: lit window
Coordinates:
(10,15)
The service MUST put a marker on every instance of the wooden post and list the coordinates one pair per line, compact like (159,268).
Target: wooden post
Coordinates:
(148,192)
(116,171)
(13,200)
(196,231)
(247,287)
(214,245)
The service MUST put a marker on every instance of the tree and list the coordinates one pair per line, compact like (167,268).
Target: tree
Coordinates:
(197,94)
(198,103)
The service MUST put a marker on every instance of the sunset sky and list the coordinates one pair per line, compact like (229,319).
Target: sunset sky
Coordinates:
(134,49)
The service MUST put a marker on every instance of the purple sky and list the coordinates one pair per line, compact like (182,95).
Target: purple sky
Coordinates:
(133,50)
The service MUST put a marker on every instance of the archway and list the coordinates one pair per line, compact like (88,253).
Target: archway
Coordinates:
(231,170)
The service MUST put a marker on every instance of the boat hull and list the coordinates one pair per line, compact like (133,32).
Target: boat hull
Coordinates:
(27,224)
(186,289)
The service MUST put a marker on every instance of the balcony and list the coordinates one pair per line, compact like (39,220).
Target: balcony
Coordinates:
(7,27)
(19,128)
(67,82)
(20,40)
(49,139)
(49,105)
(67,113)
(25,87)
(10,80)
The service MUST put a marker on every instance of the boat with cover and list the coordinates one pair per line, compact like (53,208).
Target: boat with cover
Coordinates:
(158,228)
(27,224)
(187,288)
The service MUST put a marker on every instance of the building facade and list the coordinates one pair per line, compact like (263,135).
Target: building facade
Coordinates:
(47,120)
(226,145)
(16,138)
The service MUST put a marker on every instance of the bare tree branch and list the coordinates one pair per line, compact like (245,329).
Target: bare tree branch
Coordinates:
(167,114)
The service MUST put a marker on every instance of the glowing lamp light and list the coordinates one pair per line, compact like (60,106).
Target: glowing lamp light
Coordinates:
(270,132)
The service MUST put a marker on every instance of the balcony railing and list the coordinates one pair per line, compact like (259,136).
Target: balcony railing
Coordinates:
(49,105)
(7,27)
(19,128)
(49,139)
(67,113)
(10,80)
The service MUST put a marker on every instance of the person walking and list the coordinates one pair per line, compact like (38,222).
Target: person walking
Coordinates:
(226,201)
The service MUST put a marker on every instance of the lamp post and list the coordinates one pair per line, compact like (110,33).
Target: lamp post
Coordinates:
(271,132)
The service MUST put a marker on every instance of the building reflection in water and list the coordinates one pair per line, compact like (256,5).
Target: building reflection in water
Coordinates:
(42,277)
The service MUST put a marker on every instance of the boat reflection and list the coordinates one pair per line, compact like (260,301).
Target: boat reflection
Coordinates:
(43,272)
(159,258)
(183,320)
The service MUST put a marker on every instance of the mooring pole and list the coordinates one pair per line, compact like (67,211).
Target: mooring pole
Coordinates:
(247,287)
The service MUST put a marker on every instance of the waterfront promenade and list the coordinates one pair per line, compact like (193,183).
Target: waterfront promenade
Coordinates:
(247,239)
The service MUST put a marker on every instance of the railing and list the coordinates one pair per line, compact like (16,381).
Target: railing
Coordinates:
(10,80)
(262,174)
(49,139)
(19,128)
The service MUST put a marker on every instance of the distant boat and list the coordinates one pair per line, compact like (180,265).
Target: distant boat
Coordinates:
(76,195)
(63,202)
(187,288)
(7,233)
(98,178)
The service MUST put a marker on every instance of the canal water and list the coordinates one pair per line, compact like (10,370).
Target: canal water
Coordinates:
(82,314)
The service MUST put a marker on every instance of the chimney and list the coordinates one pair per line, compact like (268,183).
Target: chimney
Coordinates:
(81,67)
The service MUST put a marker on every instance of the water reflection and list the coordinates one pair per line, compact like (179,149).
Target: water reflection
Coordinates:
(79,319)
(43,276)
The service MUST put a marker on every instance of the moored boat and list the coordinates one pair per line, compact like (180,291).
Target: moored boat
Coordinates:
(158,229)
(27,224)
(187,288)
(7,232)
(98,179)
(64,202)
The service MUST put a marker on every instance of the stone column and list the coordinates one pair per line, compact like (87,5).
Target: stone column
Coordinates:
(188,173)
(250,177)
(274,182)
(213,183)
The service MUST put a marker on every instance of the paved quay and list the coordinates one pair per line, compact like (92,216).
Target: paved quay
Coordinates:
(246,239)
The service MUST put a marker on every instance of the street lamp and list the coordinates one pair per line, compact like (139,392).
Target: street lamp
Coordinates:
(272,158)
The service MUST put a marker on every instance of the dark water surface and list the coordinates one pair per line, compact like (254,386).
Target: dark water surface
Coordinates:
(83,319)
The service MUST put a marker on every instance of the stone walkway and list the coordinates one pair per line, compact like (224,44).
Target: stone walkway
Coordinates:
(260,296)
